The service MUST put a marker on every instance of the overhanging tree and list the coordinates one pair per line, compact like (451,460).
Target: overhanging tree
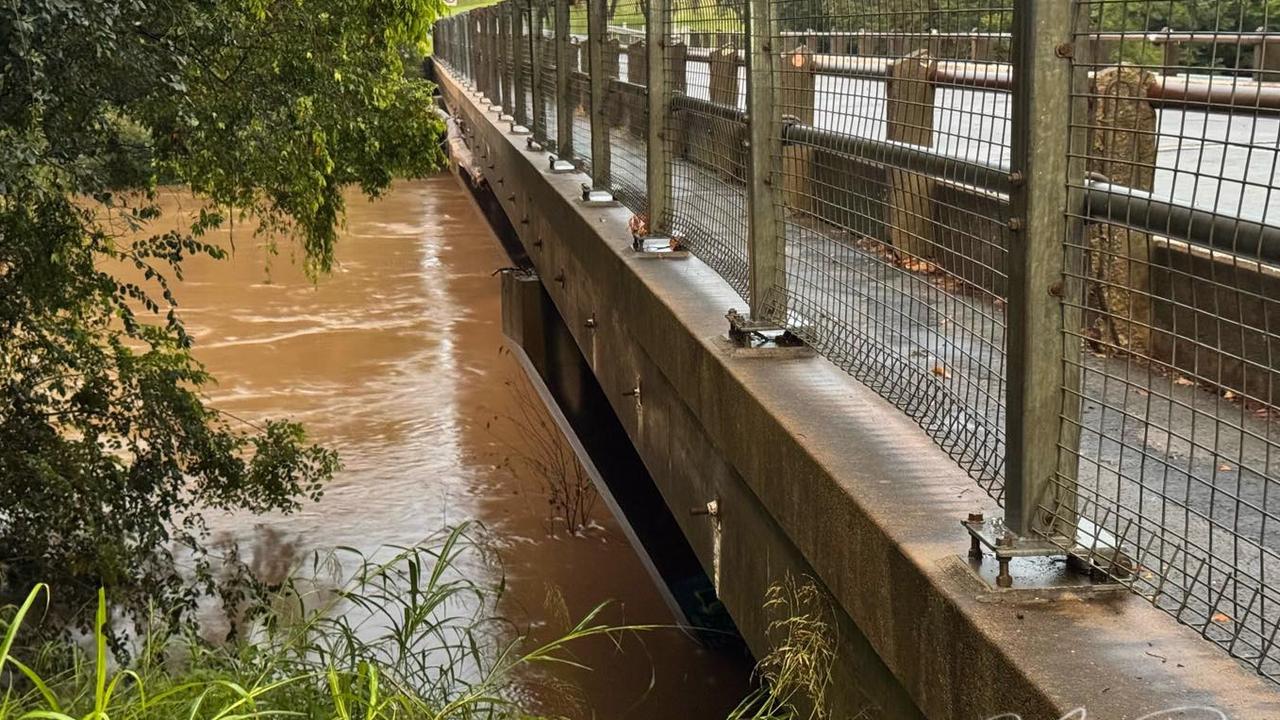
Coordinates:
(267,108)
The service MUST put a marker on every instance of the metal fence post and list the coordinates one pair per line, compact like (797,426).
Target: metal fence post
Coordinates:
(519,51)
(483,66)
(536,15)
(597,29)
(469,27)
(765,239)
(564,84)
(658,181)
(506,68)
(475,21)
(1037,502)
(491,50)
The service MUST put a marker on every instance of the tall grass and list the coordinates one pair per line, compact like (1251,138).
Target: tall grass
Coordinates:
(408,637)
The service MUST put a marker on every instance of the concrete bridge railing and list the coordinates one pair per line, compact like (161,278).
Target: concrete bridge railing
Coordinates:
(1066,270)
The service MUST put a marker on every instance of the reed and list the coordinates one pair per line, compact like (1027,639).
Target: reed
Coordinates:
(408,637)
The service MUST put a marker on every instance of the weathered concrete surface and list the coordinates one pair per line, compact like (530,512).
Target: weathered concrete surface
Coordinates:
(863,497)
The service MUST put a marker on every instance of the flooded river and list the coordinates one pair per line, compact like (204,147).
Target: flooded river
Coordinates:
(396,360)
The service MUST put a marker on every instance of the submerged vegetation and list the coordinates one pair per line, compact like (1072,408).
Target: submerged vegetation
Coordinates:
(544,455)
(410,636)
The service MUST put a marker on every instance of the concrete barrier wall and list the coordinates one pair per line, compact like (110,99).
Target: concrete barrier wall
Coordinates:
(1216,319)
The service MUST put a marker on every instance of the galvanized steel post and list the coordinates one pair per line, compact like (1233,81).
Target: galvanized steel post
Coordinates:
(492,61)
(468,27)
(564,84)
(658,160)
(478,51)
(765,238)
(597,30)
(536,14)
(519,50)
(506,69)
(1037,502)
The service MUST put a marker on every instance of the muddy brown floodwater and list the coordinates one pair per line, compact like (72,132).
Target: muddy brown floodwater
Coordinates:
(395,361)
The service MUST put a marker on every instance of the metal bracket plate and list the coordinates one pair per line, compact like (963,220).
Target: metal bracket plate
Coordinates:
(1089,544)
(657,246)
(993,535)
(747,332)
(561,166)
(597,198)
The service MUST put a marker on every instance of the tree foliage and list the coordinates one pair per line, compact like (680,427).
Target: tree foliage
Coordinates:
(1108,16)
(1226,17)
(267,108)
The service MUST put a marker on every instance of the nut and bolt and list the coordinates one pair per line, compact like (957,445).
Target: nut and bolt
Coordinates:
(711,509)
(975,547)
(1065,50)
(591,322)
(1004,579)
(1015,224)
(1056,288)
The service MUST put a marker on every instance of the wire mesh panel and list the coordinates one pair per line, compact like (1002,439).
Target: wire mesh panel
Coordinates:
(545,55)
(1179,454)
(895,239)
(628,103)
(707,135)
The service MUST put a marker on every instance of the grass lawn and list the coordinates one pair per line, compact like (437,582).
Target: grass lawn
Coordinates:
(627,13)
(465,5)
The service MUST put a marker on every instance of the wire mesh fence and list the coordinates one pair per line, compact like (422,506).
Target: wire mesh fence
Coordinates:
(580,86)
(706,135)
(545,120)
(894,272)
(892,147)
(628,103)
(1178,458)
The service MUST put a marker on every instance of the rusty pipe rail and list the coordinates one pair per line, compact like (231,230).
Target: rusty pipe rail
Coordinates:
(1184,92)
(1155,37)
